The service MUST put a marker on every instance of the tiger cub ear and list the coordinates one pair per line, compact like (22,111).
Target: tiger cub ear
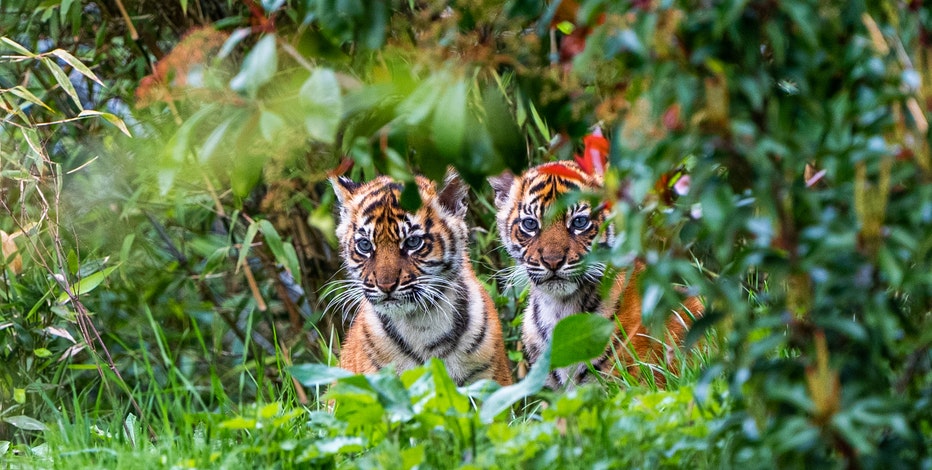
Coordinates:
(502,186)
(452,197)
(344,188)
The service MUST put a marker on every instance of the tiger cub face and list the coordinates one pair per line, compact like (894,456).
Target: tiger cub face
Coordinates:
(401,261)
(548,238)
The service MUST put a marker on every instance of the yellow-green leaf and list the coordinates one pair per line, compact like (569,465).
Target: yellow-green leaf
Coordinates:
(62,78)
(16,46)
(87,284)
(111,118)
(25,94)
(77,64)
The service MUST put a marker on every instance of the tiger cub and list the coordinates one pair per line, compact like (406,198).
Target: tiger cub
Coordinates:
(419,297)
(553,252)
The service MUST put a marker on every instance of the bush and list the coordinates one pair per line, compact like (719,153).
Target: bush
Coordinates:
(774,156)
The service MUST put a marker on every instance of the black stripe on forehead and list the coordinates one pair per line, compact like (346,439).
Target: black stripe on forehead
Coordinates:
(546,189)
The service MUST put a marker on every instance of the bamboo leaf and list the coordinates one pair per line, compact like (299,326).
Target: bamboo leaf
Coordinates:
(77,64)
(63,81)
(16,46)
(25,94)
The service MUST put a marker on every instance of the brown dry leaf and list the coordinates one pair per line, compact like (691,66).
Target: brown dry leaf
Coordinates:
(8,249)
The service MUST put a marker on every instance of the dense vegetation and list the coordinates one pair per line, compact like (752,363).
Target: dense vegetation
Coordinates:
(168,229)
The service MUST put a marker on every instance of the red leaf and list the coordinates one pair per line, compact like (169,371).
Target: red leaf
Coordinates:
(560,169)
(595,154)
(345,165)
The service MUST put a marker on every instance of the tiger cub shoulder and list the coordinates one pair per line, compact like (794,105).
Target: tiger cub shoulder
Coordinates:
(410,272)
(552,250)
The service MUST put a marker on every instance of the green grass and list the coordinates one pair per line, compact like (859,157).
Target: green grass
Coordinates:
(383,421)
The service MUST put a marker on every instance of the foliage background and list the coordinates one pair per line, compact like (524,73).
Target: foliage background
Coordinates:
(192,255)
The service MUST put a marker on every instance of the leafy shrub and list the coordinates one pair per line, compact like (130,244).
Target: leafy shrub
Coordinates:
(782,147)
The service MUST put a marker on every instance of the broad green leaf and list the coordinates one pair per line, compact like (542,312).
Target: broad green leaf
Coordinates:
(331,446)
(64,9)
(239,423)
(504,397)
(449,120)
(410,197)
(322,101)
(392,395)
(313,375)
(258,67)
(77,64)
(25,422)
(87,284)
(63,81)
(213,140)
(578,338)
(271,410)
(19,396)
(235,38)
(419,104)
(270,125)
(42,352)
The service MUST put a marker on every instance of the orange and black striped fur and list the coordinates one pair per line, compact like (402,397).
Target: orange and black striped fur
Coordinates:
(552,250)
(410,271)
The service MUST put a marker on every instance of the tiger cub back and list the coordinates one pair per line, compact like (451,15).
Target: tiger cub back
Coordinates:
(552,252)
(418,295)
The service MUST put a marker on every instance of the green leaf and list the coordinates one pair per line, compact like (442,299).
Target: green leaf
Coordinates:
(270,125)
(410,197)
(87,284)
(291,263)
(62,78)
(272,5)
(258,67)
(111,118)
(25,94)
(272,239)
(504,397)
(313,375)
(322,102)
(42,352)
(17,47)
(247,244)
(331,446)
(213,140)
(449,123)
(239,423)
(64,8)
(19,396)
(25,422)
(77,64)
(419,104)
(578,338)
(271,410)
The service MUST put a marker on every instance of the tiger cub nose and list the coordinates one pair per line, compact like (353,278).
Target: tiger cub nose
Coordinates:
(553,261)
(387,285)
